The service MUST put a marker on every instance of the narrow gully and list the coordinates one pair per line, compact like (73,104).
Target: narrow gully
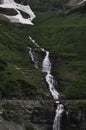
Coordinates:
(46,68)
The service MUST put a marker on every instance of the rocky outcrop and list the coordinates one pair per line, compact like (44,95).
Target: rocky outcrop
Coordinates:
(76,119)
(16,114)
(73,3)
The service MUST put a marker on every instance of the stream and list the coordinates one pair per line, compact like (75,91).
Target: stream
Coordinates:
(46,68)
(46,64)
(20,17)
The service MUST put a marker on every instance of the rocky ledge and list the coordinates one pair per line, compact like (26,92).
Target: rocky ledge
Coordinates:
(23,114)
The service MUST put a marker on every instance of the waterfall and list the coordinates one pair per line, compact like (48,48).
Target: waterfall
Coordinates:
(46,68)
(59,111)
(32,57)
(83,1)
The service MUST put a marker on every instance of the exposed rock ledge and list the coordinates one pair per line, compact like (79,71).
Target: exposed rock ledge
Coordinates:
(16,114)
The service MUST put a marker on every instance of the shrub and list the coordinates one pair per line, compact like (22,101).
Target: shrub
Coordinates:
(30,126)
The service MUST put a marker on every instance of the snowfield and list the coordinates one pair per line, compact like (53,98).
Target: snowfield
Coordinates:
(11,4)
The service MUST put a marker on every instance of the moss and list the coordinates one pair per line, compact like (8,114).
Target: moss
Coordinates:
(8,11)
(30,126)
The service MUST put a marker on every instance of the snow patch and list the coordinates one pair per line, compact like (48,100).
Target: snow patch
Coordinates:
(11,4)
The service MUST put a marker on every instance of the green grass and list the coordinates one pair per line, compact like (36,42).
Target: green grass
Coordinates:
(30,126)
(63,35)
(13,51)
(8,11)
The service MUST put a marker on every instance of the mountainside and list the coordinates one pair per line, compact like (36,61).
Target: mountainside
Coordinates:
(46,5)
(73,3)
(26,103)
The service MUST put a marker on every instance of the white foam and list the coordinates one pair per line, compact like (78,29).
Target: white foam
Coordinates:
(59,111)
(46,65)
(36,44)
(81,2)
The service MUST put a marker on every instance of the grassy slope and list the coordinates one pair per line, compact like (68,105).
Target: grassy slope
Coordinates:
(63,35)
(18,78)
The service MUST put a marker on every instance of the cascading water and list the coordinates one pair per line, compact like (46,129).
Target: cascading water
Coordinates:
(46,68)
(59,111)
(83,1)
(46,65)
(32,57)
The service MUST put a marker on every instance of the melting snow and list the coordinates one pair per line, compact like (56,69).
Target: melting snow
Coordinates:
(10,4)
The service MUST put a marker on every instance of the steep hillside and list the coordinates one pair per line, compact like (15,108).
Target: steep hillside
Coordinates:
(46,5)
(15,65)
(62,35)
(26,102)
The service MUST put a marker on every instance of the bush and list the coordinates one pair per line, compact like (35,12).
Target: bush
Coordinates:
(30,127)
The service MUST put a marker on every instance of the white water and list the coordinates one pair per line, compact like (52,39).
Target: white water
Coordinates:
(31,54)
(46,68)
(59,111)
(36,44)
(11,4)
(81,2)
(32,57)
(46,65)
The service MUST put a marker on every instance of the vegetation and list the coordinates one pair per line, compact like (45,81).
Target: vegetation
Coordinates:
(12,12)
(10,112)
(16,69)
(63,35)
(8,11)
(30,127)
(47,5)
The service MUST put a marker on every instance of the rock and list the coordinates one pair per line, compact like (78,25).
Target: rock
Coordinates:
(19,113)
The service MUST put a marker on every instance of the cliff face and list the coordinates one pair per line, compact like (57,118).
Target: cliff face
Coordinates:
(39,115)
(21,114)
